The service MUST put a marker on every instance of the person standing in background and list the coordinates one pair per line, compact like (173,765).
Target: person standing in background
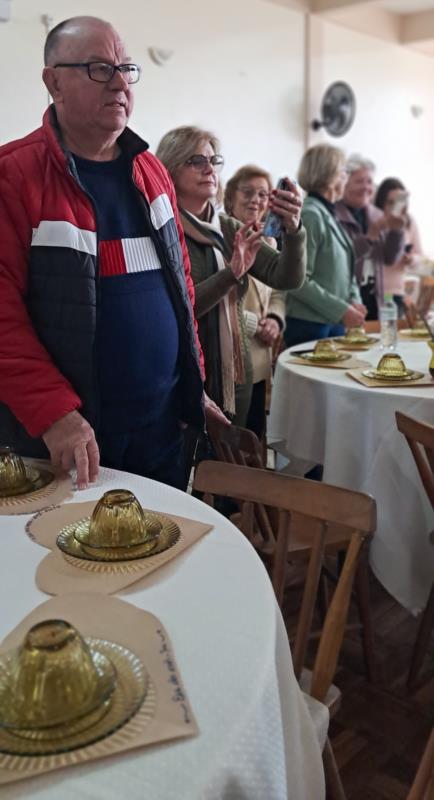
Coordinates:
(329,300)
(378,238)
(221,252)
(246,198)
(392,195)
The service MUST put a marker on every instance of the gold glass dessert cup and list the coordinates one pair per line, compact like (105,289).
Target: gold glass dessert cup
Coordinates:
(17,479)
(54,678)
(391,367)
(59,691)
(324,350)
(13,476)
(117,521)
(357,336)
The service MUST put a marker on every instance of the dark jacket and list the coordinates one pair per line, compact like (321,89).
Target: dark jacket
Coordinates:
(383,248)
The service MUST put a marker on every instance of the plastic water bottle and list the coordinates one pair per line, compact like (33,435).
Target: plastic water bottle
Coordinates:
(389,323)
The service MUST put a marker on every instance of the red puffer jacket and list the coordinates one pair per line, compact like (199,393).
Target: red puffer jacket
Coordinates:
(49,282)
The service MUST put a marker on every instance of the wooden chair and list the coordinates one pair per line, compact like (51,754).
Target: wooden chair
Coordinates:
(235,445)
(423,784)
(323,508)
(426,295)
(420,438)
(374,326)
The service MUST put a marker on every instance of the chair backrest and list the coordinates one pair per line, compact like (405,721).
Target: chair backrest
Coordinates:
(420,438)
(321,505)
(423,784)
(426,296)
(235,445)
(374,325)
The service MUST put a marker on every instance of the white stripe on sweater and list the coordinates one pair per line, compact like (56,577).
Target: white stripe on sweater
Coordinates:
(140,254)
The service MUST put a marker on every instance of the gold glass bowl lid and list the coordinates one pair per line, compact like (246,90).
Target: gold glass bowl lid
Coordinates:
(357,336)
(324,350)
(59,691)
(118,530)
(16,478)
(391,367)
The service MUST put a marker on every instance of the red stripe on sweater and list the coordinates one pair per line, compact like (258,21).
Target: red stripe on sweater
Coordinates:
(111,258)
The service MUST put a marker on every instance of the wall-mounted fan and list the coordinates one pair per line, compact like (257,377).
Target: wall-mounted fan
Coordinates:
(338,109)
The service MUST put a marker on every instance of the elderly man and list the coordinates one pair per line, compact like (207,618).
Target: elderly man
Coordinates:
(379,240)
(99,356)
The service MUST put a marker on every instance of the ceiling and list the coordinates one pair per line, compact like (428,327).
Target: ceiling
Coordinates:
(407,22)
(407,6)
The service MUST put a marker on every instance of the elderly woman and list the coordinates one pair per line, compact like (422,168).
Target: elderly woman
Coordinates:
(390,194)
(246,198)
(378,237)
(329,300)
(221,252)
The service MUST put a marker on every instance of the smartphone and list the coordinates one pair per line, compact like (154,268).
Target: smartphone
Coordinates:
(273,224)
(400,203)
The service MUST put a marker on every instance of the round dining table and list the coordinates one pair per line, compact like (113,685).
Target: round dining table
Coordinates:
(256,737)
(322,416)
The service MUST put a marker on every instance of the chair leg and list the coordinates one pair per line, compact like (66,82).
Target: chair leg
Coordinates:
(422,639)
(334,787)
(363,599)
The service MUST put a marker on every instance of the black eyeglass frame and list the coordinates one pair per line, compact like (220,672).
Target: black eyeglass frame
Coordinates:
(122,68)
(216,161)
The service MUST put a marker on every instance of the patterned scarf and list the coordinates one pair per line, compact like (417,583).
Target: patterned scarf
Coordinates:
(210,233)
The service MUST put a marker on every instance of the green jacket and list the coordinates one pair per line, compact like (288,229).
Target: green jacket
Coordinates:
(330,284)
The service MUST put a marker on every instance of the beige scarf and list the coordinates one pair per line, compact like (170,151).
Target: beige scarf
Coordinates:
(210,233)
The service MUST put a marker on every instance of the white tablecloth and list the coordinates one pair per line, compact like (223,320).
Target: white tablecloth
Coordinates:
(256,737)
(322,416)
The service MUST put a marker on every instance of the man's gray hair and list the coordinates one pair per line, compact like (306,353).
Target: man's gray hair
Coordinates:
(356,162)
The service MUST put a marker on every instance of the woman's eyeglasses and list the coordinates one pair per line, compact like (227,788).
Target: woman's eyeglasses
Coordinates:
(199,163)
(249,193)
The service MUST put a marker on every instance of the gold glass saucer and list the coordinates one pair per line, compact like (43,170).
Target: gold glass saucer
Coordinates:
(415,333)
(357,344)
(378,375)
(323,357)
(167,535)
(126,699)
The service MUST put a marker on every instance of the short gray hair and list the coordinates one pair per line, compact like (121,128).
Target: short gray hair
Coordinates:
(319,166)
(356,162)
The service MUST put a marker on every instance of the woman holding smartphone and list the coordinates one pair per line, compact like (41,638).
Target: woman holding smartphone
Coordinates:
(222,251)
(329,300)
(392,198)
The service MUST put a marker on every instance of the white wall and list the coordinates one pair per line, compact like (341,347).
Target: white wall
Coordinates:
(387,80)
(238,69)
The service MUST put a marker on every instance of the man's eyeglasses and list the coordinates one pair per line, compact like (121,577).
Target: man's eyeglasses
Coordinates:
(101,72)
(199,163)
(249,193)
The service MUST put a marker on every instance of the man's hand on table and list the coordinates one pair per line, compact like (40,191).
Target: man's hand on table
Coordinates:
(71,443)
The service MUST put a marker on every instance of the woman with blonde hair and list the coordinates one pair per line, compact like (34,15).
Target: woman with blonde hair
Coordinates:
(246,199)
(221,252)
(329,300)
